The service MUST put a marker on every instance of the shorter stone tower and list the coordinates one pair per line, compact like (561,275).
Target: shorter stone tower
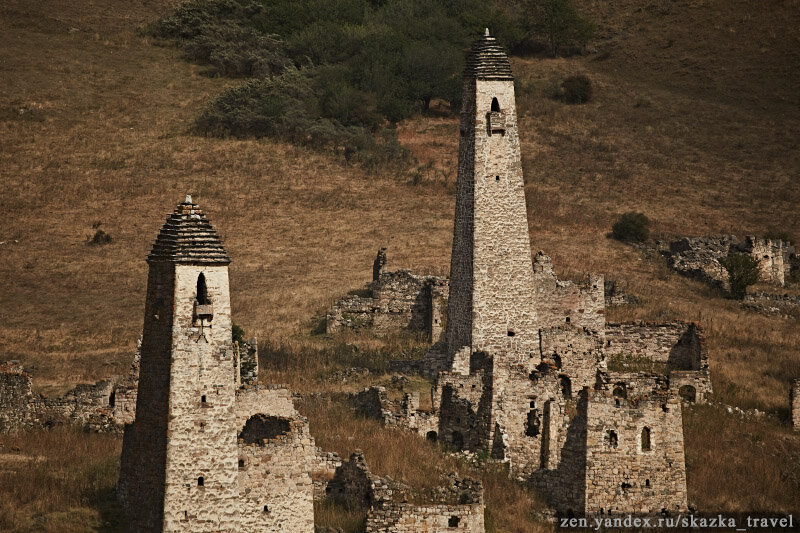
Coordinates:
(204,454)
(179,459)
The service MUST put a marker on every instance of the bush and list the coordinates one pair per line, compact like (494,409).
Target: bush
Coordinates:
(743,271)
(577,89)
(100,238)
(631,227)
(237,333)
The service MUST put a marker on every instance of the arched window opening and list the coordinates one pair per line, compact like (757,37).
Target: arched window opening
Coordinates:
(611,439)
(203,399)
(431,436)
(620,391)
(202,290)
(201,482)
(241,463)
(566,386)
(645,439)
(266,508)
(647,483)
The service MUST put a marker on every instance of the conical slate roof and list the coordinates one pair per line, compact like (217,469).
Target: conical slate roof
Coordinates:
(487,60)
(187,237)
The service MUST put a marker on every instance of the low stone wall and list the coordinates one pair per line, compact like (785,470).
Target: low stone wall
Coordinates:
(698,257)
(393,517)
(794,400)
(394,300)
(680,345)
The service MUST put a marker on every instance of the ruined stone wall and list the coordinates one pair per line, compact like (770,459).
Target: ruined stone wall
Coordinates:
(15,397)
(396,300)
(463,403)
(770,254)
(323,470)
(267,399)
(679,345)
(565,302)
(577,353)
(353,484)
(274,475)
(634,454)
(699,257)
(394,517)
(520,425)
(794,400)
(246,355)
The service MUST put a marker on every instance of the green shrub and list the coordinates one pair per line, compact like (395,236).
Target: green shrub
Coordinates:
(577,89)
(631,227)
(743,271)
(237,333)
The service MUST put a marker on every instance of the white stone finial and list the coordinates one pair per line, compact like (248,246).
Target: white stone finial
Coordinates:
(188,199)
(486,33)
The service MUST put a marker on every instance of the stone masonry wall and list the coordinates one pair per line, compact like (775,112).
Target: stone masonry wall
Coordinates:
(275,487)
(561,303)
(635,456)
(678,344)
(794,398)
(396,300)
(393,517)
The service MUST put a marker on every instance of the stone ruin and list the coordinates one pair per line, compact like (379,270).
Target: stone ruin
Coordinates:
(698,257)
(794,402)
(393,300)
(105,406)
(210,449)
(528,372)
(459,507)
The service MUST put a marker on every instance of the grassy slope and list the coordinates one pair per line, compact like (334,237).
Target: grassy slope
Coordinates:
(695,122)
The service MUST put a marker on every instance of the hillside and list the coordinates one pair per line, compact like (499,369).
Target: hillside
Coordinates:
(695,122)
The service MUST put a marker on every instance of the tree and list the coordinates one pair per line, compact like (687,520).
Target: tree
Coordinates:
(743,271)
(558,23)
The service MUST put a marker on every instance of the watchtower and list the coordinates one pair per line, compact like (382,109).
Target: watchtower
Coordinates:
(491,277)
(179,459)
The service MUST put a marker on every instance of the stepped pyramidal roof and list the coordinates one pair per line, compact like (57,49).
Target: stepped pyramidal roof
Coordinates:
(488,60)
(188,237)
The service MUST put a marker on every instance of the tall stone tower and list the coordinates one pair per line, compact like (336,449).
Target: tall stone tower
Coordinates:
(179,459)
(491,276)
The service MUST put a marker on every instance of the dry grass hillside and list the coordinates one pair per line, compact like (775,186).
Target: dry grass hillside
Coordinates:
(695,122)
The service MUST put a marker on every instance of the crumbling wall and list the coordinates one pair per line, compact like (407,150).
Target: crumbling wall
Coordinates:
(275,487)
(16,396)
(394,517)
(246,355)
(374,402)
(679,345)
(464,406)
(324,465)
(698,257)
(634,454)
(353,484)
(576,352)
(560,302)
(794,401)
(395,300)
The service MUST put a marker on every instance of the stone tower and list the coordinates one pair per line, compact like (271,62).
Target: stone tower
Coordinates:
(491,277)
(179,459)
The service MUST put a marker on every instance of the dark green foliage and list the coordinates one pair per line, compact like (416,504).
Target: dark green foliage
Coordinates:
(237,333)
(558,23)
(743,271)
(331,73)
(631,227)
(577,89)
(100,238)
